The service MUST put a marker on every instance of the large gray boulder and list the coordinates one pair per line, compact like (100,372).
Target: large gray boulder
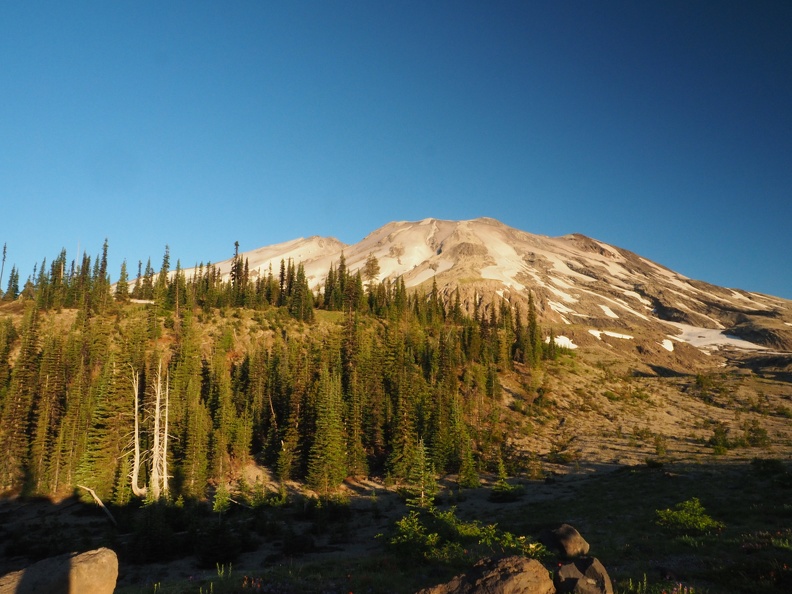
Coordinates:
(566,541)
(505,575)
(94,572)
(585,575)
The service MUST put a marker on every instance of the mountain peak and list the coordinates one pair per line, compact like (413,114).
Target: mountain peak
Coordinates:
(595,293)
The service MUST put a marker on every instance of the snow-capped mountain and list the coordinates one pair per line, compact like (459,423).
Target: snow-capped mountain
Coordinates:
(593,293)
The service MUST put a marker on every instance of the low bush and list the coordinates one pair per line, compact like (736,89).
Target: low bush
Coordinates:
(432,535)
(688,517)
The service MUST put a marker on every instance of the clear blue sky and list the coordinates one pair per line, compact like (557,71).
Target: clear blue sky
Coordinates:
(661,127)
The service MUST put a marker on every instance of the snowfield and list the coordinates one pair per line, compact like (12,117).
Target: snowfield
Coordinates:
(710,338)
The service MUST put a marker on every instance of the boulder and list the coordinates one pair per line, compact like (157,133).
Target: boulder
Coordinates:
(94,572)
(585,575)
(505,575)
(566,540)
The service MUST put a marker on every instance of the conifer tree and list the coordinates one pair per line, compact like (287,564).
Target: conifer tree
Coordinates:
(52,382)
(197,421)
(108,430)
(534,352)
(147,283)
(12,291)
(18,403)
(327,458)
(371,270)
(421,476)
(161,285)
(122,286)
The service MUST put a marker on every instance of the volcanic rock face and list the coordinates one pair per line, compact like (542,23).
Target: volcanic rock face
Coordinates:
(596,294)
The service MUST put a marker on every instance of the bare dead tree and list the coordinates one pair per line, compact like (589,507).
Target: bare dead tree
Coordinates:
(158,454)
(165,437)
(136,488)
(156,449)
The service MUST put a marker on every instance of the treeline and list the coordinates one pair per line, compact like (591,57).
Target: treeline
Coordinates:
(231,371)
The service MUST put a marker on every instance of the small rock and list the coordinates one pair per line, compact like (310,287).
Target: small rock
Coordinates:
(583,576)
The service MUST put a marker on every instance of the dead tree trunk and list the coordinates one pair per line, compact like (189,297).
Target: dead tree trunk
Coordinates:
(136,489)
(165,437)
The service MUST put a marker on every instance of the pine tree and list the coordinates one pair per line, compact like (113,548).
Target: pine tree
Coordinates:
(327,458)
(17,407)
(12,291)
(122,286)
(52,382)
(197,422)
(534,349)
(161,285)
(108,431)
(371,270)
(421,479)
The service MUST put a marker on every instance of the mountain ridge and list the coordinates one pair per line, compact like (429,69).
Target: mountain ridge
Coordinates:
(592,291)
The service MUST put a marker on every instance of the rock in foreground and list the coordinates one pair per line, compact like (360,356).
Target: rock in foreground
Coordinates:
(93,572)
(507,575)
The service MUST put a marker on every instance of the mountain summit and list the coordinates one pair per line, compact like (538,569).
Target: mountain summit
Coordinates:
(593,293)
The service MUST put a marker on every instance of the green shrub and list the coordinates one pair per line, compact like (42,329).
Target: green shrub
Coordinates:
(433,535)
(687,517)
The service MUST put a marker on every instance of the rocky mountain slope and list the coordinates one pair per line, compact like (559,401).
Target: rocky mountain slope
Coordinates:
(595,295)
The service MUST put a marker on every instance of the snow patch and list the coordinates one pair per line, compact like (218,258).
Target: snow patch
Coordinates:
(564,296)
(629,309)
(787,323)
(609,312)
(430,271)
(559,308)
(561,283)
(563,341)
(599,333)
(639,297)
(667,345)
(508,262)
(712,338)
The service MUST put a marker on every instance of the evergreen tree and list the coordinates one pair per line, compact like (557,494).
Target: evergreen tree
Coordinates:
(122,286)
(48,409)
(12,291)
(18,405)
(371,270)
(327,459)
(421,479)
(147,284)
(110,426)
(534,347)
(161,286)
(197,422)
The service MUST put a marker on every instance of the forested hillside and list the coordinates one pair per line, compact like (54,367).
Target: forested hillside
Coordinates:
(165,386)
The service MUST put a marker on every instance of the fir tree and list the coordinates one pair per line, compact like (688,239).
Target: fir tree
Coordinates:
(327,459)
(17,406)
(122,286)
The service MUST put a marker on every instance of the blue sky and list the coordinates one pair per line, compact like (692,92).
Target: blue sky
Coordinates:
(661,127)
